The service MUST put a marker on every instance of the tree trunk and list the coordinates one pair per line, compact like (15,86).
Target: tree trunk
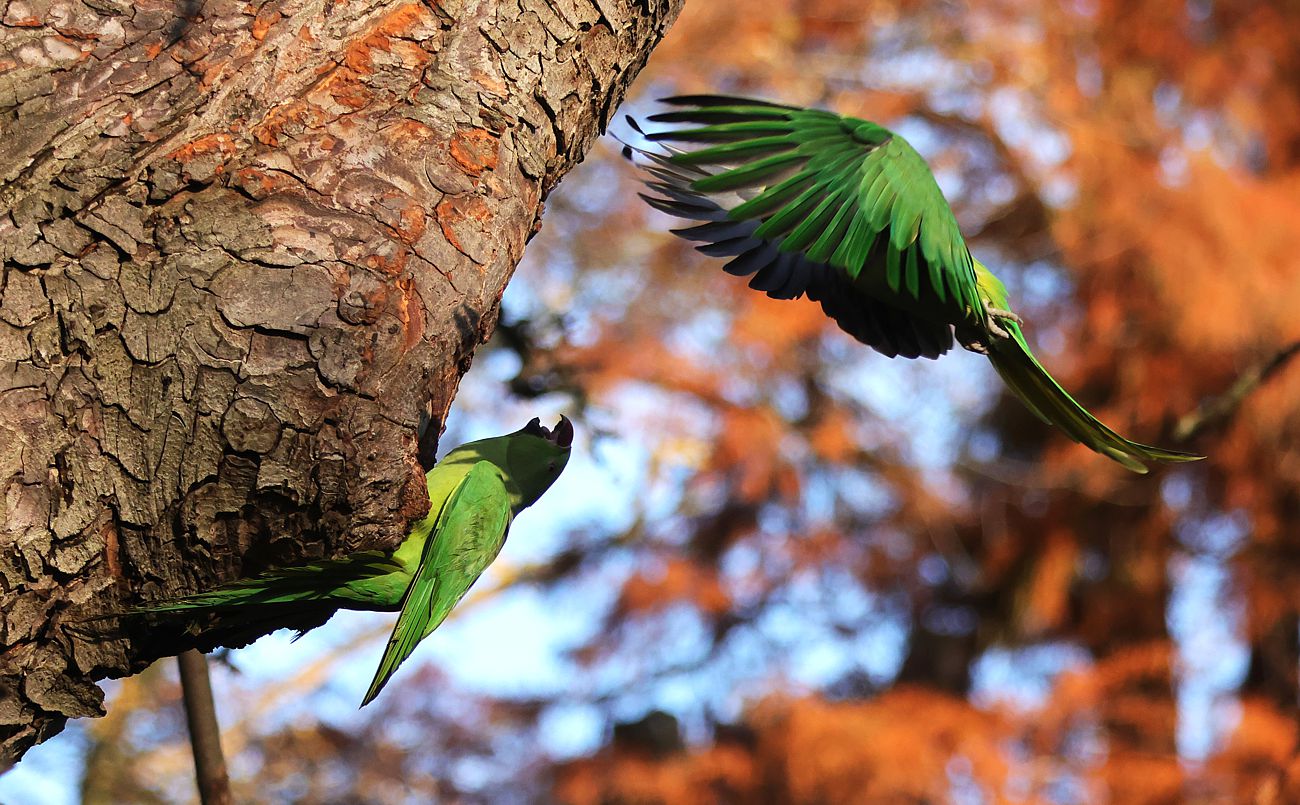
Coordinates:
(248,250)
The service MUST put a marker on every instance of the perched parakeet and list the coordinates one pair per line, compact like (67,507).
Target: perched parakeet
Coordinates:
(847,212)
(474,494)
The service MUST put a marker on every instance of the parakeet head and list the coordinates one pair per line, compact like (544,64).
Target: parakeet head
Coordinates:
(528,460)
(535,457)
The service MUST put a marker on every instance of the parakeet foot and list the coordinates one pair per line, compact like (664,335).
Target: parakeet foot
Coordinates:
(977,337)
(992,314)
(971,338)
(999,313)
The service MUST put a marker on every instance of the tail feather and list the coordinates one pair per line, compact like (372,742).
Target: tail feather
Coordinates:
(321,582)
(1041,393)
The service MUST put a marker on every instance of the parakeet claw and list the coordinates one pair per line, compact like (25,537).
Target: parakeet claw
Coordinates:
(999,313)
(992,314)
(978,337)
(971,338)
(996,329)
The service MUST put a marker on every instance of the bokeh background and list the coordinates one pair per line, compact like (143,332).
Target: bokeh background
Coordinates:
(783,568)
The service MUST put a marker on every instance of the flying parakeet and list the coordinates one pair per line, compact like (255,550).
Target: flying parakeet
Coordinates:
(847,213)
(474,494)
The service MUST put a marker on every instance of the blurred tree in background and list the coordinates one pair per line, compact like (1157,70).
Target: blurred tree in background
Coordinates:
(845,578)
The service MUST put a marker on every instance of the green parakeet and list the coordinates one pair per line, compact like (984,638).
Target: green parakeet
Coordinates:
(474,494)
(847,213)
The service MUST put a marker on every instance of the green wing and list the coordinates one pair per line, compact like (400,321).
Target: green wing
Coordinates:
(840,191)
(468,536)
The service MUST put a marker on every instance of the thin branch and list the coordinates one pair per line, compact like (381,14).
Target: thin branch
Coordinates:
(205,735)
(1226,404)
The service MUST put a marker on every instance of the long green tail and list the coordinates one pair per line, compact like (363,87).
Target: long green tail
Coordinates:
(1030,382)
(332,584)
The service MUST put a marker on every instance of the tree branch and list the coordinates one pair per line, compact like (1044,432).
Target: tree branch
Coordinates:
(1220,408)
(205,735)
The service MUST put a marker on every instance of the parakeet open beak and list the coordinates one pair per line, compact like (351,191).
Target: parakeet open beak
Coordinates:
(561,435)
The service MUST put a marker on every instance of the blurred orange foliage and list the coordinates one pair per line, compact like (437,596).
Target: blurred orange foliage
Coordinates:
(1142,160)
(1061,631)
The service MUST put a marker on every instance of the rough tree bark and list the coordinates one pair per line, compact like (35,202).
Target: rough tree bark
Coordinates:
(247,248)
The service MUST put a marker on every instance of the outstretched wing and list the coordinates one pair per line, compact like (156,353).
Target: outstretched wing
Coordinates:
(835,191)
(468,536)
(787,275)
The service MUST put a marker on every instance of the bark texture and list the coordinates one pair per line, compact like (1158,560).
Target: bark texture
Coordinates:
(248,249)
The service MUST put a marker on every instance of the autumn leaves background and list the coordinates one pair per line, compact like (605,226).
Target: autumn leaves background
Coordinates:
(847,578)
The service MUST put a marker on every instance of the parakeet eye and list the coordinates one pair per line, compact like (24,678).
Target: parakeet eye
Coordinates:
(551,467)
